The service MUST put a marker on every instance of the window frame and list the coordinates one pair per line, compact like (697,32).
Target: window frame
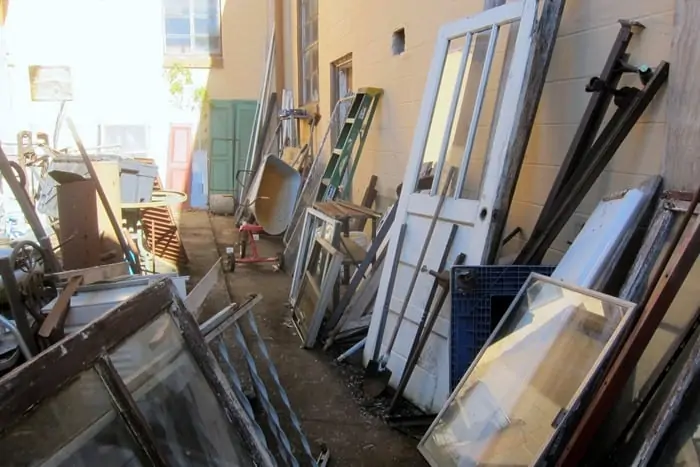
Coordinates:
(30,385)
(192,52)
(307,49)
(103,140)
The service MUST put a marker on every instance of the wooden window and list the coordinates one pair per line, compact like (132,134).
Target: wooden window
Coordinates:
(308,20)
(192,27)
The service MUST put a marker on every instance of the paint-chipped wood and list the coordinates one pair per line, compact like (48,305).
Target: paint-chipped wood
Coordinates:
(681,169)
(127,409)
(206,361)
(536,73)
(52,327)
(25,387)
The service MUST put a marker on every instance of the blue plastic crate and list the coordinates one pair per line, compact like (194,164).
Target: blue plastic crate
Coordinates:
(478,304)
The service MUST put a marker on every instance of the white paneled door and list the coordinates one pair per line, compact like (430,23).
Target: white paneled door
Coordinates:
(466,119)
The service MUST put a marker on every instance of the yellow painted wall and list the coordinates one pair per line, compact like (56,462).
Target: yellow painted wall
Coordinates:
(588,29)
(115,51)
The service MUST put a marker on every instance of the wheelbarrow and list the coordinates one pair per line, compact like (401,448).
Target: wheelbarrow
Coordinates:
(270,199)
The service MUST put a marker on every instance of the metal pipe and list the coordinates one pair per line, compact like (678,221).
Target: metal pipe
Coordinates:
(23,347)
(419,263)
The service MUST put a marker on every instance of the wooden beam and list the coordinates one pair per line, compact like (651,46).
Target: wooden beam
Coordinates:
(94,274)
(681,168)
(52,327)
(279,48)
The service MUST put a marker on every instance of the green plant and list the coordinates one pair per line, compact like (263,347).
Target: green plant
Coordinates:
(179,77)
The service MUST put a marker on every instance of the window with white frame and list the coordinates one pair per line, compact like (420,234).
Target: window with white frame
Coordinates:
(308,19)
(192,27)
(129,139)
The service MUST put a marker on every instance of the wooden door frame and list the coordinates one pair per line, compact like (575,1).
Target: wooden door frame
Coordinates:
(524,11)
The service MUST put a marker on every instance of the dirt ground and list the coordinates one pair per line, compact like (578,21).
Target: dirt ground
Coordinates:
(320,391)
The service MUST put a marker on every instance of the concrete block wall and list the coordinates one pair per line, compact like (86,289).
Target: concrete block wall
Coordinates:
(587,32)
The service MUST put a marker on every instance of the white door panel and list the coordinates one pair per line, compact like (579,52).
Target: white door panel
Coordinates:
(465,124)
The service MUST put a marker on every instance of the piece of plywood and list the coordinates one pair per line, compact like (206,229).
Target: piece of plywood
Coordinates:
(108,175)
(79,233)
(94,274)
(681,169)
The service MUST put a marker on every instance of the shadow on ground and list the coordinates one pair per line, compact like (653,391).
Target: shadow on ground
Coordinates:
(323,394)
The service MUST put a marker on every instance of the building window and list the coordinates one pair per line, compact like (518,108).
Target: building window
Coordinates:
(126,139)
(192,27)
(309,50)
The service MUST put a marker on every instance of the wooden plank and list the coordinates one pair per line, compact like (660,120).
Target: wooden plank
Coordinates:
(536,74)
(359,209)
(52,327)
(681,168)
(654,306)
(196,297)
(95,274)
(79,232)
(108,175)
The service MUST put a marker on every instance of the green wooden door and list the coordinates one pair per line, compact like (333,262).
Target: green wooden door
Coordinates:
(230,127)
(245,121)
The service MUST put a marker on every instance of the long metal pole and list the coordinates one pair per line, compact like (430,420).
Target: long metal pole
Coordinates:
(419,263)
(52,264)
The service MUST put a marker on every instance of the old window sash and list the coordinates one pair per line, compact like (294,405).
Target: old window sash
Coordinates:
(39,380)
(308,21)
(192,27)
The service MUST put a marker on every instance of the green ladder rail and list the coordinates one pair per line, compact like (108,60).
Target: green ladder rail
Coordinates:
(357,123)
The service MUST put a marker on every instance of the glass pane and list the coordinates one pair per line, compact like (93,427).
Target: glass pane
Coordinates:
(204,25)
(207,44)
(179,26)
(206,7)
(177,7)
(471,183)
(447,89)
(76,428)
(505,411)
(190,426)
(177,44)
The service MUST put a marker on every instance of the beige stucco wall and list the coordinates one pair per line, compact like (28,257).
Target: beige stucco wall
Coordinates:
(115,51)
(588,29)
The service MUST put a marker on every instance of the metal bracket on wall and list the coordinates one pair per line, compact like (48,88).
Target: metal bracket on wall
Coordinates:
(585,175)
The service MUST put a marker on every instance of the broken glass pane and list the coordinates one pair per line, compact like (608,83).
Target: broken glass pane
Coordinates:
(507,408)
(187,421)
(75,428)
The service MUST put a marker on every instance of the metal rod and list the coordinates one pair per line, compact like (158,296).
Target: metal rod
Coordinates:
(590,122)
(419,263)
(128,254)
(21,343)
(129,412)
(418,341)
(351,351)
(601,152)
(17,307)
(389,291)
(359,274)
(25,203)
